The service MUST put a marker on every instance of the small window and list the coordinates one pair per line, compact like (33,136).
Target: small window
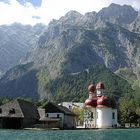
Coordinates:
(12,111)
(113,115)
(58,115)
(0,110)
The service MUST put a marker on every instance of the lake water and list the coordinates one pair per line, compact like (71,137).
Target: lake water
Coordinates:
(109,134)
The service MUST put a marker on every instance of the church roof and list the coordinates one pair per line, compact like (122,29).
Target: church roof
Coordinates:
(100,102)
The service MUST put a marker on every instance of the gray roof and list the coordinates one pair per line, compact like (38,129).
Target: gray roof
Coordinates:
(22,108)
(72,105)
(66,110)
(51,108)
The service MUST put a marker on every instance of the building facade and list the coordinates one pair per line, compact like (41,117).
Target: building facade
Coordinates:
(100,110)
(57,116)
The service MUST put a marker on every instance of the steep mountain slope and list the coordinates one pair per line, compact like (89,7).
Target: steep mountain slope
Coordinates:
(20,81)
(15,41)
(74,87)
(72,45)
(75,49)
(135,25)
(25,81)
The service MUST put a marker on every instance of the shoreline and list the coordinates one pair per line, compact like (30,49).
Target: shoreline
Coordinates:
(56,129)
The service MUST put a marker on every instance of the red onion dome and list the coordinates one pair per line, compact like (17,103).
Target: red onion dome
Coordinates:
(91,102)
(103,101)
(100,85)
(88,102)
(91,88)
(94,101)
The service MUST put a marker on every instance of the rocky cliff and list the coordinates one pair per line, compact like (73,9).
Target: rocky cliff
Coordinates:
(73,44)
(15,41)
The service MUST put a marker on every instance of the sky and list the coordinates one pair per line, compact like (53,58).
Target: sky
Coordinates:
(43,11)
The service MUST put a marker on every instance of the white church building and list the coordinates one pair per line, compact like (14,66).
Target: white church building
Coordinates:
(100,110)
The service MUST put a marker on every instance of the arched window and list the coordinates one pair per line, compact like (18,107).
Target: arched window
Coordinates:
(113,115)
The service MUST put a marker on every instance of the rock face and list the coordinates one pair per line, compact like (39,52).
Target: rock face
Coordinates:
(76,42)
(15,41)
(117,14)
(135,25)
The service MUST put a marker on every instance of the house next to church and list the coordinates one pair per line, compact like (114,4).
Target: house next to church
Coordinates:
(56,116)
(18,114)
(100,110)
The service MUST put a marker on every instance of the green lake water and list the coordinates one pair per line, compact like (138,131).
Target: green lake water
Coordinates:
(108,134)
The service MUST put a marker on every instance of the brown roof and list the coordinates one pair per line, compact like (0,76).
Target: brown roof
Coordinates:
(22,108)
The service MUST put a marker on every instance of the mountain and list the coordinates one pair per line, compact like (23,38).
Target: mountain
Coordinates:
(25,81)
(135,25)
(96,43)
(72,49)
(122,15)
(15,41)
